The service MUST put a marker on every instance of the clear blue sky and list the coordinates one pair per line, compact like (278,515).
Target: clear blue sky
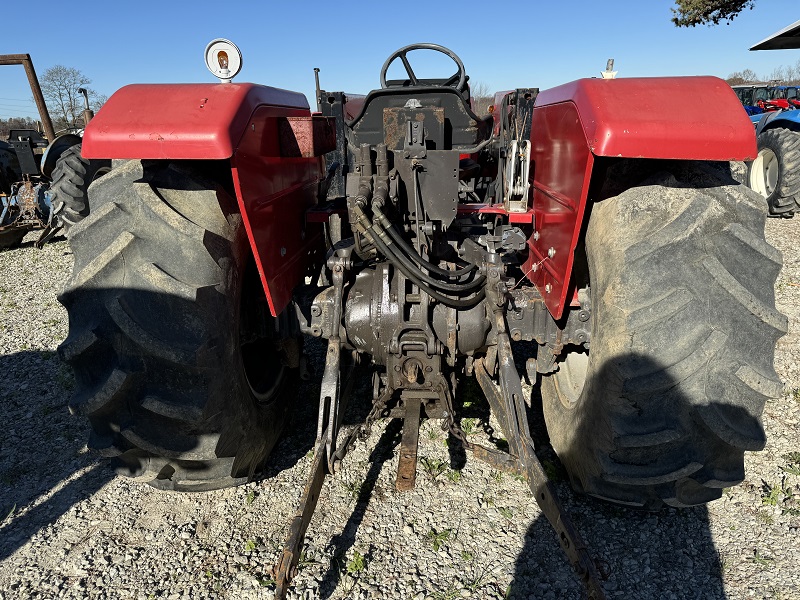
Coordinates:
(503,44)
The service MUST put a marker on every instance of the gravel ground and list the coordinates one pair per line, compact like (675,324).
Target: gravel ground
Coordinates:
(71,529)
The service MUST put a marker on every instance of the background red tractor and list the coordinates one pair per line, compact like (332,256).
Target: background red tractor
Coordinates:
(614,240)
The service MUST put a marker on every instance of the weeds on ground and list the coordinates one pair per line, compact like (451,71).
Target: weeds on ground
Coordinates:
(468,425)
(433,467)
(793,463)
(65,378)
(782,496)
(451,593)
(356,564)
(765,517)
(757,558)
(454,476)
(551,470)
(251,496)
(438,538)
(506,512)
(10,514)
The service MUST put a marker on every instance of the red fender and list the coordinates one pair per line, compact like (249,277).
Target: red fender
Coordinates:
(631,118)
(274,146)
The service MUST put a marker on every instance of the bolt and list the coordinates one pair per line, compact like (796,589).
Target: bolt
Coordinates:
(552,252)
(315,331)
(397,368)
(516,335)
(428,369)
(283,251)
(316,310)
(548,288)
(416,125)
(535,235)
(337,268)
(583,315)
(493,272)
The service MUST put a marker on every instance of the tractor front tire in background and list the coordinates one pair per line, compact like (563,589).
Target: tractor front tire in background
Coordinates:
(684,327)
(775,173)
(72,177)
(185,377)
(11,238)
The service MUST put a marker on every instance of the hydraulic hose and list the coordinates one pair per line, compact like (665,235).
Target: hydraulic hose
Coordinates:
(398,239)
(446,300)
(457,288)
(389,228)
(412,271)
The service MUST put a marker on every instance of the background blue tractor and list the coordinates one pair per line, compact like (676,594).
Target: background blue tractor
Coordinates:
(775,173)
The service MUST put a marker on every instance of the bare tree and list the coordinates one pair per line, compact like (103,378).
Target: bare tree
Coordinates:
(6,125)
(739,77)
(690,13)
(481,98)
(60,86)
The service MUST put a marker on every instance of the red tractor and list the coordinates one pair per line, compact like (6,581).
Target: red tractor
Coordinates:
(417,237)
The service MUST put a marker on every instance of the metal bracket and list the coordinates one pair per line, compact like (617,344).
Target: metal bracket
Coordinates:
(509,406)
(329,417)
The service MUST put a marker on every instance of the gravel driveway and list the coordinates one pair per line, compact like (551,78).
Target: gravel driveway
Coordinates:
(69,528)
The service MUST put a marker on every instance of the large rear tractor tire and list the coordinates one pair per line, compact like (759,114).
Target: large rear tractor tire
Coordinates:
(185,377)
(683,333)
(72,177)
(775,173)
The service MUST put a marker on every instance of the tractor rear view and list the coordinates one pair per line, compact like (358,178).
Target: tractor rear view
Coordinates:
(615,241)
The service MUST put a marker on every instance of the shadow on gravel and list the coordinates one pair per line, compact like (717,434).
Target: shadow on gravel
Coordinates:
(666,554)
(340,544)
(45,468)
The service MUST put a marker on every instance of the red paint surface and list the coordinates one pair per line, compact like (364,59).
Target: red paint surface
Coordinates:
(274,194)
(561,164)
(227,121)
(179,121)
(641,117)
(633,118)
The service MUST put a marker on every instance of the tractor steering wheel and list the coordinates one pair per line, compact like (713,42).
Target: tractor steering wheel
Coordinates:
(458,79)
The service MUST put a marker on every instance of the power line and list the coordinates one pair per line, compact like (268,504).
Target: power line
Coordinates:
(19,100)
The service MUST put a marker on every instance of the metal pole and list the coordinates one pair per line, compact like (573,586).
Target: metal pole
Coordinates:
(25,61)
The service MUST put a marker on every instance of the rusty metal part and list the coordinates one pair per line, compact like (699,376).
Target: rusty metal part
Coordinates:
(508,402)
(25,61)
(329,397)
(286,568)
(407,465)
